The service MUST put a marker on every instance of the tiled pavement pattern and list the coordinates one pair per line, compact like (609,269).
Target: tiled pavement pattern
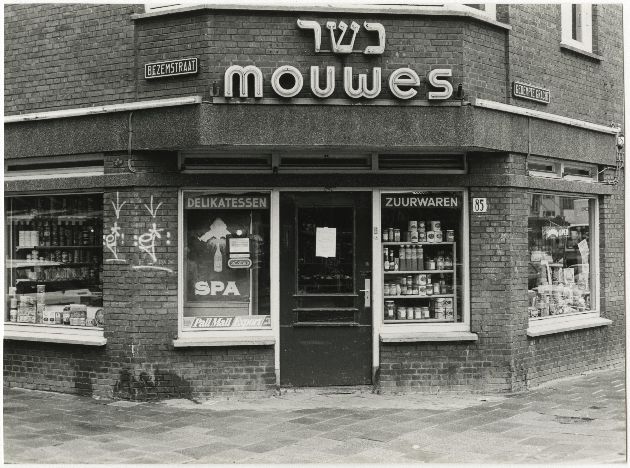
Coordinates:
(577,420)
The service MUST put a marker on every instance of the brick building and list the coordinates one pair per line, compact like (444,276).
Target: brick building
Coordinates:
(202,200)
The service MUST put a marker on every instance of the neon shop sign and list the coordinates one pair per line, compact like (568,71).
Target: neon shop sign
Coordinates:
(402,82)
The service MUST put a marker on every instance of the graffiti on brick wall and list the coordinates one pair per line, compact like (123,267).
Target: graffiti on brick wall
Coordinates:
(115,235)
(146,242)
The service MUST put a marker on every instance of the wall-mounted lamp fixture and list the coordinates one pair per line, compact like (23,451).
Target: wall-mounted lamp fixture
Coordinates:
(460,91)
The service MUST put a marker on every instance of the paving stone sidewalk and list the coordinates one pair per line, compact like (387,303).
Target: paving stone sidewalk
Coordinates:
(576,420)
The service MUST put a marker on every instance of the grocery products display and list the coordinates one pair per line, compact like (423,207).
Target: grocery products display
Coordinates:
(559,278)
(54,260)
(420,246)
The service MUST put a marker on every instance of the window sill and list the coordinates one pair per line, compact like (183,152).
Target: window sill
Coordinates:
(214,341)
(416,337)
(87,336)
(561,325)
(579,51)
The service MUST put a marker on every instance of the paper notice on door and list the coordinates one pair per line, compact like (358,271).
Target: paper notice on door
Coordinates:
(325,242)
(583,246)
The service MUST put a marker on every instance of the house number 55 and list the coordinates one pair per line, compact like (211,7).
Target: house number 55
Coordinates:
(480,205)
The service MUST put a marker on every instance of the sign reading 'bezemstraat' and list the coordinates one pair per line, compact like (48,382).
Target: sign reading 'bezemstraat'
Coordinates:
(185,66)
(243,202)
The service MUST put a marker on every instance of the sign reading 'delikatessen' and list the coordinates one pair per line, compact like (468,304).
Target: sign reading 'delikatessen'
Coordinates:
(532,93)
(184,66)
(236,202)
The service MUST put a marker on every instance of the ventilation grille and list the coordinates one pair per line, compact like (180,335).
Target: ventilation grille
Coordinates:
(421,162)
(226,162)
(53,167)
(332,162)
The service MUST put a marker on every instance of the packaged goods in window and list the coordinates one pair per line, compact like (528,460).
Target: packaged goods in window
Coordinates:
(78,315)
(420,265)
(559,269)
(53,277)
(27,311)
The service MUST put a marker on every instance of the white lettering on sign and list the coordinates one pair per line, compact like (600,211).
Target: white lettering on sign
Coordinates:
(533,93)
(186,66)
(281,90)
(336,46)
(239,321)
(242,73)
(421,202)
(216,288)
(400,78)
(480,205)
(436,78)
(407,78)
(218,202)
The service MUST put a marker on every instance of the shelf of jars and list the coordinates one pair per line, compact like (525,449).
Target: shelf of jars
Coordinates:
(419,275)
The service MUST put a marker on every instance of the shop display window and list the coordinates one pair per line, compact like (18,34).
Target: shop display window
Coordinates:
(226,261)
(421,248)
(54,260)
(561,272)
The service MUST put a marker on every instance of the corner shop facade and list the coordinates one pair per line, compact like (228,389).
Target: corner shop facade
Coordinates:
(302,189)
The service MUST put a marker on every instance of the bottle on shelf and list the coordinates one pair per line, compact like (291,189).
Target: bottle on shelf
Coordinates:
(386,259)
(403,258)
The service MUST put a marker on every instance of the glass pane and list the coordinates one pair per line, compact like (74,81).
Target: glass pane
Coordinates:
(55,260)
(226,261)
(422,250)
(325,250)
(559,246)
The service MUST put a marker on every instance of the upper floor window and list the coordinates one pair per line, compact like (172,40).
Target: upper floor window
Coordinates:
(577,25)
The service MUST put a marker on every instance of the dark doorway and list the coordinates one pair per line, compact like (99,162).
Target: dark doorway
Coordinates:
(325,302)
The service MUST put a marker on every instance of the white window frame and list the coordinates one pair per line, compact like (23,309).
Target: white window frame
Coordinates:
(594,312)
(406,329)
(559,168)
(586,26)
(489,11)
(251,336)
(82,335)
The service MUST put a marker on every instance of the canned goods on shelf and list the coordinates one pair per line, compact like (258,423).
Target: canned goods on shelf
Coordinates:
(450,235)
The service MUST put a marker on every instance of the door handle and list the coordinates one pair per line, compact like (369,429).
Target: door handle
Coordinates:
(366,302)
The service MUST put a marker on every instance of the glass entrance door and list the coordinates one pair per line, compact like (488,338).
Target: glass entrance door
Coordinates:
(325,273)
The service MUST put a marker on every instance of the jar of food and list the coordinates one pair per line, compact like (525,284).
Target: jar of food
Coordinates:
(401,313)
(450,235)
(431,237)
(417,313)
(438,237)
(396,235)
(436,288)
(439,262)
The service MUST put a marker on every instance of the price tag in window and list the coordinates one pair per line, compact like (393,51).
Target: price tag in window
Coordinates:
(479,205)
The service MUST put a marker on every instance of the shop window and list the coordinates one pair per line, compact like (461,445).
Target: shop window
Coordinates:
(562,270)
(226,261)
(421,251)
(577,28)
(54,260)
